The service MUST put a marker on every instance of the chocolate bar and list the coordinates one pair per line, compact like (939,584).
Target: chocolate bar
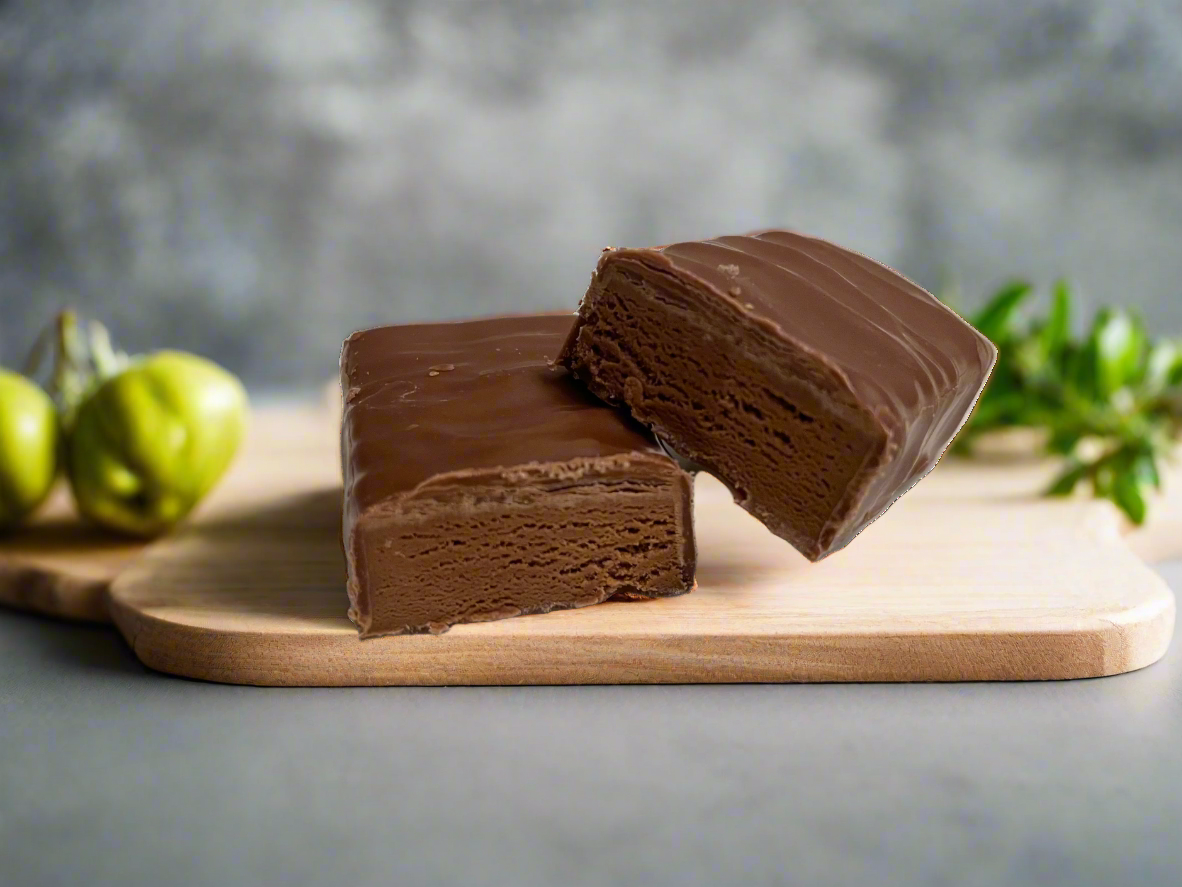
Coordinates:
(817,384)
(482,481)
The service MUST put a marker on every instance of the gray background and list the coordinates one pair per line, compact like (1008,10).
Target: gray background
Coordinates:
(112,775)
(253,179)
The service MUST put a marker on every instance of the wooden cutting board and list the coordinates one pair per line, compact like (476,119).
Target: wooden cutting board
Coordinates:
(60,567)
(948,591)
(969,577)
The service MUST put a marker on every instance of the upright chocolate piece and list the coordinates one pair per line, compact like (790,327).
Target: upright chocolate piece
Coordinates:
(816,383)
(483,482)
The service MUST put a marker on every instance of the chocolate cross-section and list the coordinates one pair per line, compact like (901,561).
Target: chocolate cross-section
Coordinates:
(818,384)
(482,481)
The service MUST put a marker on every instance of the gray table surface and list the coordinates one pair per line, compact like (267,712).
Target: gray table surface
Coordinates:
(110,774)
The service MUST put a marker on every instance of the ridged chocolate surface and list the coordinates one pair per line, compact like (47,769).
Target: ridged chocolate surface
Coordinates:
(897,344)
(888,347)
(916,364)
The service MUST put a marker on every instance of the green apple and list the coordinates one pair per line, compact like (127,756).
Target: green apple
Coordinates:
(152,440)
(28,447)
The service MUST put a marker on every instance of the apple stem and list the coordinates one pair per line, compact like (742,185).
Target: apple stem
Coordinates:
(82,360)
(107,361)
(72,373)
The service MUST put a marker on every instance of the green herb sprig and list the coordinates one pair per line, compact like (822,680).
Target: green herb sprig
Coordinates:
(1110,402)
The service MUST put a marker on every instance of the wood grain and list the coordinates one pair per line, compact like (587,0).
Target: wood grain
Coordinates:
(62,567)
(59,566)
(942,588)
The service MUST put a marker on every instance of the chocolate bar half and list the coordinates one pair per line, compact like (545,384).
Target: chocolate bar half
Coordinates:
(482,481)
(818,384)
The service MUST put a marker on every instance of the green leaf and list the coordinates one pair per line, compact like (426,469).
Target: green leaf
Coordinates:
(1102,481)
(994,321)
(1120,350)
(1030,357)
(1055,334)
(1063,441)
(1001,410)
(1146,471)
(1114,386)
(1128,496)
(1081,373)
(1163,367)
(1068,479)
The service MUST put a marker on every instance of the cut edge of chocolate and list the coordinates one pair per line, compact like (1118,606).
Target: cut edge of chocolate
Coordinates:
(754,383)
(612,527)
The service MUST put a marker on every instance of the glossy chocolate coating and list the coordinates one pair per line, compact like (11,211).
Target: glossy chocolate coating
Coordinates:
(446,421)
(865,342)
(475,394)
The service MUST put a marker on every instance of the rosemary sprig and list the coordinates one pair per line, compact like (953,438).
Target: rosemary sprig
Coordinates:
(1111,401)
